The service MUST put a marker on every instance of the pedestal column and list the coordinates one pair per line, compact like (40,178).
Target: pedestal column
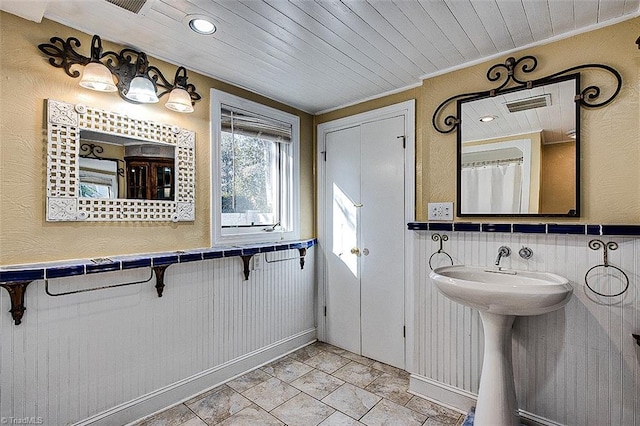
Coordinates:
(497,405)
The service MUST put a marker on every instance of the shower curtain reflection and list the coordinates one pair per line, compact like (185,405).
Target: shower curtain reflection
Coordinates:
(492,188)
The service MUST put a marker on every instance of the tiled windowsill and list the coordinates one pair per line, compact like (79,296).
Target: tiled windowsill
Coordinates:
(527,228)
(37,271)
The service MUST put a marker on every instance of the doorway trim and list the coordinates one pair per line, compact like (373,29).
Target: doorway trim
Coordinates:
(406,109)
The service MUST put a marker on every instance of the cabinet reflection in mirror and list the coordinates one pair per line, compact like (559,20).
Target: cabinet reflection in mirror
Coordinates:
(104,166)
(518,152)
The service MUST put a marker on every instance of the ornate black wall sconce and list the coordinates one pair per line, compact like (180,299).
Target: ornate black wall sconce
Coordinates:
(136,81)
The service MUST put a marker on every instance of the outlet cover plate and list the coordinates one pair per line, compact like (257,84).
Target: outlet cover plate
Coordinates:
(440,211)
(256,260)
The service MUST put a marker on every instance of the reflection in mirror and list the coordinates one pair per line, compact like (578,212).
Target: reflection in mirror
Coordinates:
(98,178)
(148,175)
(517,152)
(150,172)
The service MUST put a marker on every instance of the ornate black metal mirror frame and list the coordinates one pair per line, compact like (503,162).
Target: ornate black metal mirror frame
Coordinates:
(511,73)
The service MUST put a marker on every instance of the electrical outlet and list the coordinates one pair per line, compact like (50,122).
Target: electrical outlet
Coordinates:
(257,261)
(440,211)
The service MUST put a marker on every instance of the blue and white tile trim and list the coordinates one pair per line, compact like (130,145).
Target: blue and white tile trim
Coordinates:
(31,272)
(528,228)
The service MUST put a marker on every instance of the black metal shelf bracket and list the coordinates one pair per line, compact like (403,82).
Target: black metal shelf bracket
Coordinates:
(246,261)
(303,253)
(16,290)
(159,272)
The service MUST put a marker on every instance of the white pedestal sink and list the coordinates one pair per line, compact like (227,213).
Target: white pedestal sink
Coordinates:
(500,295)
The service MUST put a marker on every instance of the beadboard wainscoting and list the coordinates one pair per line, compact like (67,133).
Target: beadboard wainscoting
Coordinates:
(575,366)
(115,355)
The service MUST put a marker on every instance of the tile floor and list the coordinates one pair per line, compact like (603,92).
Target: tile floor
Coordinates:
(319,384)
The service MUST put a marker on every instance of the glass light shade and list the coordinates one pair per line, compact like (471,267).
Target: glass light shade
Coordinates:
(96,76)
(179,100)
(142,90)
(202,26)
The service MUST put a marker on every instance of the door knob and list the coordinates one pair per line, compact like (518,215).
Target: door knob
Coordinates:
(355,251)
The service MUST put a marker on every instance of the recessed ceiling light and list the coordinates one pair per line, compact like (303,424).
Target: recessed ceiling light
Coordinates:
(487,118)
(201,24)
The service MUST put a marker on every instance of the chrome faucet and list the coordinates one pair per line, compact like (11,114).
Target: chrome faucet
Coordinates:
(503,251)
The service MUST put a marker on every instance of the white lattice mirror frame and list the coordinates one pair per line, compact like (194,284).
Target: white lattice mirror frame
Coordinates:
(64,123)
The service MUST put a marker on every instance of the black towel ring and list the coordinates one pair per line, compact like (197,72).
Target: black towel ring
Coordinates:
(441,238)
(611,245)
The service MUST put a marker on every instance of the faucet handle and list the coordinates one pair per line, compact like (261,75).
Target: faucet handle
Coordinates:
(525,253)
(504,251)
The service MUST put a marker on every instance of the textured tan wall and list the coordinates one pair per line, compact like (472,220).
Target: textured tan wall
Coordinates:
(610,144)
(27,80)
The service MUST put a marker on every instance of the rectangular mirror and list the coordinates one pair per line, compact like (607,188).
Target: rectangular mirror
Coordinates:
(518,152)
(105,166)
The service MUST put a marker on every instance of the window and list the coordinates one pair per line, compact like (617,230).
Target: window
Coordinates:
(255,171)
(98,178)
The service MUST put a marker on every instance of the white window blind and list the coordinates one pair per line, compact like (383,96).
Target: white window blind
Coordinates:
(237,121)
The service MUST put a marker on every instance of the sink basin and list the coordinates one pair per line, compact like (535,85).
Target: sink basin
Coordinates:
(505,292)
(500,295)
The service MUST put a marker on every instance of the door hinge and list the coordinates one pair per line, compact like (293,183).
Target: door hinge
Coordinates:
(325,155)
(404,331)
(404,141)
(325,311)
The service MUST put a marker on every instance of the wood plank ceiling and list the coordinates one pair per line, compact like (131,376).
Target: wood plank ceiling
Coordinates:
(319,55)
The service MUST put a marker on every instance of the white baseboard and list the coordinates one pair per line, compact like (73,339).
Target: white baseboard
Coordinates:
(189,387)
(461,400)
(443,394)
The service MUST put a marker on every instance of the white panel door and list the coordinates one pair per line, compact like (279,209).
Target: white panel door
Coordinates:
(364,217)
(382,223)
(342,189)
